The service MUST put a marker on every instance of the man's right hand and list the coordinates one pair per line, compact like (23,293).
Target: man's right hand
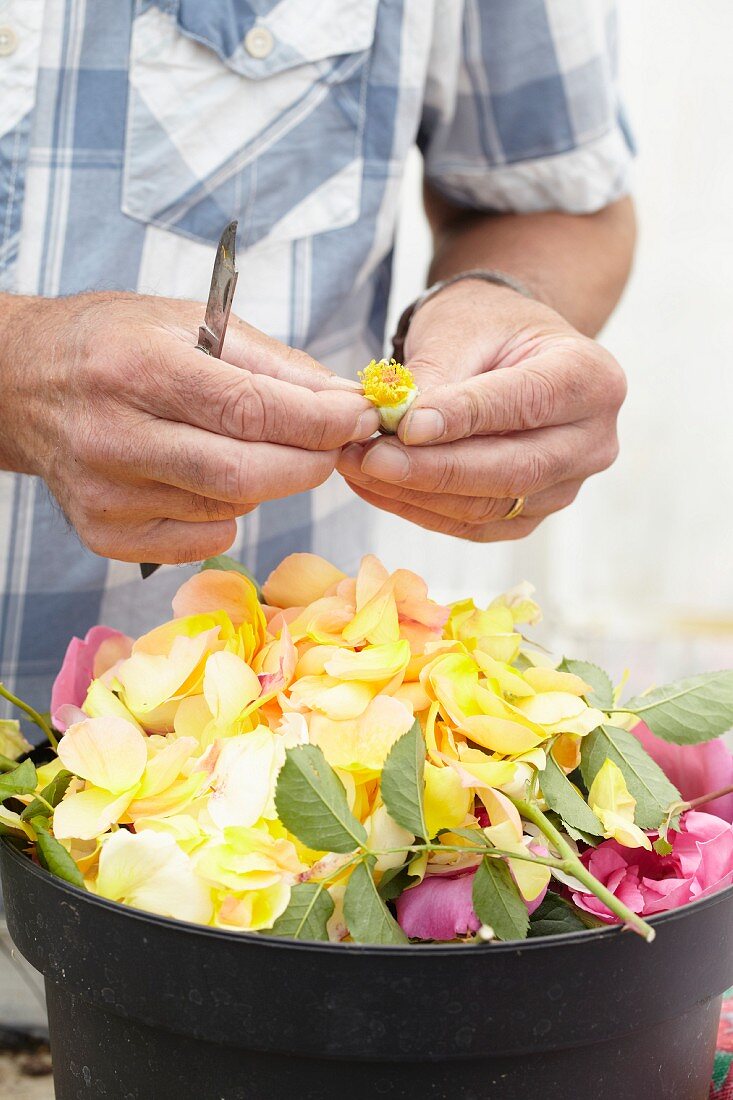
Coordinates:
(152,448)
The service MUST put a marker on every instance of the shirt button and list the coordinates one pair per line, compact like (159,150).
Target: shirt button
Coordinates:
(8,41)
(258,42)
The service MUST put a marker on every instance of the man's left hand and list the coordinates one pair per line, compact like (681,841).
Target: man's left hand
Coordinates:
(513,402)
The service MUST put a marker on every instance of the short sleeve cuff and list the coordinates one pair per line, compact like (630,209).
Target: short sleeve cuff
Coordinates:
(580,181)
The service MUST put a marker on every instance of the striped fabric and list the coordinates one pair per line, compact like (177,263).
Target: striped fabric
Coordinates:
(131,131)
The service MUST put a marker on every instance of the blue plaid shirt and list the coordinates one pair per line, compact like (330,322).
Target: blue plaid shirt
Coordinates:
(131,132)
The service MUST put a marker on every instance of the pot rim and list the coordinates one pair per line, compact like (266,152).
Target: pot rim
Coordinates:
(283,942)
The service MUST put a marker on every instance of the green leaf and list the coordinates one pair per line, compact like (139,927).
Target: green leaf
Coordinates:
(646,781)
(497,901)
(662,846)
(22,780)
(578,834)
(394,882)
(53,856)
(307,914)
(403,782)
(690,711)
(602,694)
(555,916)
(6,764)
(311,803)
(475,836)
(230,565)
(562,797)
(52,793)
(367,917)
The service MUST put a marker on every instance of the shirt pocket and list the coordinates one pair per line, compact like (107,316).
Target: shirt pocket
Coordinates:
(248,110)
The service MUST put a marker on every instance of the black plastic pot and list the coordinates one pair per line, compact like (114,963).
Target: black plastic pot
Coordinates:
(144,1008)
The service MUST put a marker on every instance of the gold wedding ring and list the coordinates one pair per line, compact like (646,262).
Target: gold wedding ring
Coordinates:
(516,509)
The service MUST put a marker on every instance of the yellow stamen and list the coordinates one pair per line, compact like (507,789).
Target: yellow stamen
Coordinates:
(386,383)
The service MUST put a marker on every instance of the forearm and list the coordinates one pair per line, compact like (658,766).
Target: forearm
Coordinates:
(577,264)
(11,395)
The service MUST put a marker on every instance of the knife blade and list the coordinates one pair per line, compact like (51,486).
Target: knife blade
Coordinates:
(218,308)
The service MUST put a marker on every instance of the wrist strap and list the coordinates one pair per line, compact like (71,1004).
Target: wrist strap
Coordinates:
(485,275)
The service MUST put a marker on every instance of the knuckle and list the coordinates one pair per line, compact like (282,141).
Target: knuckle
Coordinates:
(474,412)
(483,510)
(98,538)
(207,544)
(608,452)
(451,473)
(611,377)
(536,399)
(242,412)
(235,478)
(524,473)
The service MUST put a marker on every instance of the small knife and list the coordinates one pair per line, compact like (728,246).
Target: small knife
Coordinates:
(218,308)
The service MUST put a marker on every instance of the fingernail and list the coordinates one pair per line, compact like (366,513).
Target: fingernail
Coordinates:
(423,426)
(366,425)
(386,462)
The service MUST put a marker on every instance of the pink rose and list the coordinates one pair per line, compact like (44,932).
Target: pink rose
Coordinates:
(441,906)
(85,661)
(694,769)
(700,863)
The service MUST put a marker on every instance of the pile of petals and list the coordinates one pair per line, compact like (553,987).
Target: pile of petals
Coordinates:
(343,758)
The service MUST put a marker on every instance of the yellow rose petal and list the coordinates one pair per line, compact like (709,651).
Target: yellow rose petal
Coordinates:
(108,752)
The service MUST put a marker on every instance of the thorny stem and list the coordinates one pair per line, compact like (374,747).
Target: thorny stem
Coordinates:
(573,866)
(465,849)
(32,714)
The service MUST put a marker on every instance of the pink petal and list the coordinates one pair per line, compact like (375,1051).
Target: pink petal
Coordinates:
(439,908)
(694,769)
(80,666)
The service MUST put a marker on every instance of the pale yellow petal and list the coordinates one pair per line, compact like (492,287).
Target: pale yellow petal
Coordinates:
(194,719)
(108,752)
(612,802)
(337,699)
(12,742)
(362,744)
(230,686)
(551,707)
(166,766)
(149,871)
(509,680)
(383,832)
(373,663)
(244,777)
(501,809)
(447,801)
(173,799)
(85,815)
(500,734)
(255,911)
(377,621)
(148,679)
(550,679)
(101,702)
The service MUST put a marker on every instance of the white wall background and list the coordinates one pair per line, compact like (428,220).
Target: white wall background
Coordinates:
(640,570)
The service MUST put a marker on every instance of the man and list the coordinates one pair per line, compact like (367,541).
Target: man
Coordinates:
(131,133)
